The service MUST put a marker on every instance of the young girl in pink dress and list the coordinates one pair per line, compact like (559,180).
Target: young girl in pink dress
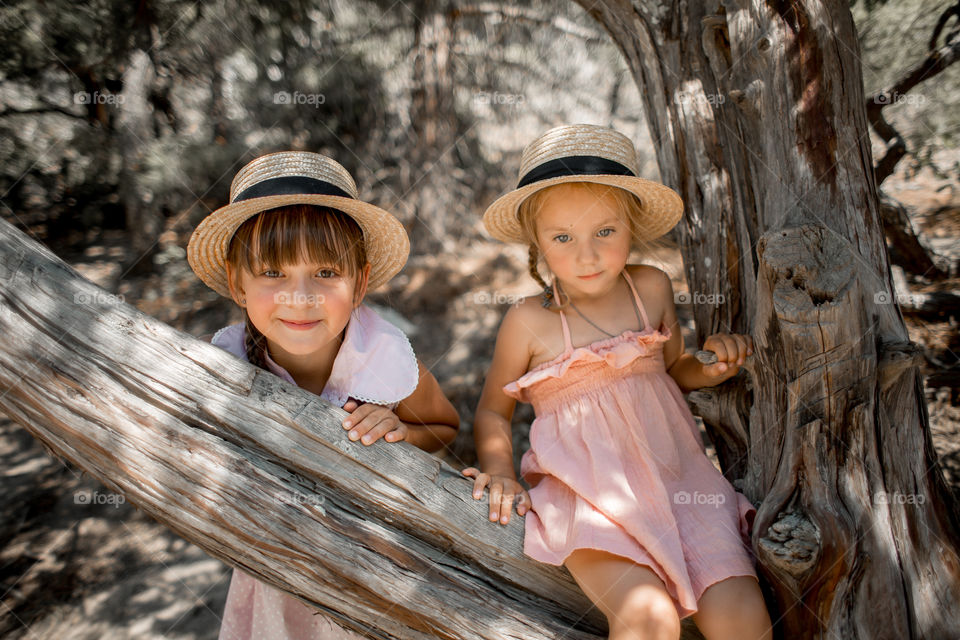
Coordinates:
(622,492)
(297,250)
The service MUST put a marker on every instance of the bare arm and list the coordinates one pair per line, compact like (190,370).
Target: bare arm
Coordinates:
(688,372)
(491,427)
(431,420)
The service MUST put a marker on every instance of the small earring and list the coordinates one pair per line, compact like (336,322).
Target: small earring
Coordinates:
(243,301)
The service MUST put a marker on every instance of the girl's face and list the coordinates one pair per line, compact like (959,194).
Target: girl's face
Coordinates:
(584,238)
(300,307)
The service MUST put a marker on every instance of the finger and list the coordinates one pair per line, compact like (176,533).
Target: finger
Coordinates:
(506,506)
(399,433)
(358,414)
(496,492)
(721,369)
(481,482)
(351,406)
(523,503)
(384,426)
(362,425)
(741,349)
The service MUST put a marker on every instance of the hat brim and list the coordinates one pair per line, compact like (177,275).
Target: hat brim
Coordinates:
(662,207)
(385,239)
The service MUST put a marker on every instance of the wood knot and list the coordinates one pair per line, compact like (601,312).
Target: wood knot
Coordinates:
(792,544)
(896,358)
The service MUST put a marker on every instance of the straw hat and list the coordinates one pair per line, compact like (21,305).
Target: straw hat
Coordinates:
(583,153)
(295,177)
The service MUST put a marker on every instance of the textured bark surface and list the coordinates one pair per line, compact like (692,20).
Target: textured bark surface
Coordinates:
(258,472)
(757,113)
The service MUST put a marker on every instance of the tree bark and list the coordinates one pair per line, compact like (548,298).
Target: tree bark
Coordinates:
(257,472)
(757,113)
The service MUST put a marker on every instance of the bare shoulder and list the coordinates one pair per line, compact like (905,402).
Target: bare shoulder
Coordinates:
(650,279)
(527,316)
(656,292)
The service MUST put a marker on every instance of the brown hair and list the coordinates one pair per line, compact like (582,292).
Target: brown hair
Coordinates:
(628,205)
(287,235)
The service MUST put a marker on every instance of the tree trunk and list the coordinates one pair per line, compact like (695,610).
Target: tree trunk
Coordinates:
(757,111)
(258,472)
(135,133)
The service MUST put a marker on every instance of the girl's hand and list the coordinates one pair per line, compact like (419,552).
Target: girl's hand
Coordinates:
(503,491)
(370,422)
(731,349)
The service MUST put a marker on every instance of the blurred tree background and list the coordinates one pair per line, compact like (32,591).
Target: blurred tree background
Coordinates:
(123,123)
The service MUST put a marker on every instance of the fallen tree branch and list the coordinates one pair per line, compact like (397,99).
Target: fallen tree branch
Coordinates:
(258,473)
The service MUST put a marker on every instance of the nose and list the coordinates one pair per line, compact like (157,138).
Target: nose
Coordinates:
(587,253)
(301,293)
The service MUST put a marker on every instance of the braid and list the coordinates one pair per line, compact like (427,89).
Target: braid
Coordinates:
(532,266)
(255,344)
(547,296)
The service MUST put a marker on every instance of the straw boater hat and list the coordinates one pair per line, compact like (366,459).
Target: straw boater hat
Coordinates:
(295,177)
(583,153)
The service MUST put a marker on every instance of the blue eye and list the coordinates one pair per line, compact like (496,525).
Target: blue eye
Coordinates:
(271,273)
(327,273)
(562,238)
(603,233)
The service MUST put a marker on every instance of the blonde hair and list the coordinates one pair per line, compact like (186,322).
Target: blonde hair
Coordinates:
(629,208)
(286,235)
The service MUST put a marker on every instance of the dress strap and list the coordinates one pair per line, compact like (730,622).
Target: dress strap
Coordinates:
(567,340)
(636,299)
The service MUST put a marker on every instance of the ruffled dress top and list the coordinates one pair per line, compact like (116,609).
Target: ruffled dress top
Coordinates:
(616,464)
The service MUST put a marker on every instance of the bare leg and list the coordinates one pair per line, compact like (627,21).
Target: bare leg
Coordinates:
(632,597)
(733,609)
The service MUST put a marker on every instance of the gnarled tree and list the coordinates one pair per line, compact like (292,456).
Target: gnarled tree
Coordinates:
(757,113)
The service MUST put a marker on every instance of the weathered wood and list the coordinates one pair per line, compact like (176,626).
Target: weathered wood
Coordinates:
(259,473)
(757,115)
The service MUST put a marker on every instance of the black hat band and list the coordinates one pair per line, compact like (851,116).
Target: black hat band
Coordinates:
(291,185)
(574,166)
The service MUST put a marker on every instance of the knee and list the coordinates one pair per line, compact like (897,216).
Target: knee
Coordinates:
(648,614)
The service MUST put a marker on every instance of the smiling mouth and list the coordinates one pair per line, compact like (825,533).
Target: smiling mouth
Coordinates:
(300,325)
(591,276)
